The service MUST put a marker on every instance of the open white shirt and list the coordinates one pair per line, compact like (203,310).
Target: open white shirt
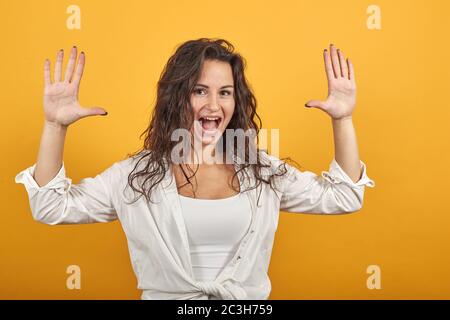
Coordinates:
(156,232)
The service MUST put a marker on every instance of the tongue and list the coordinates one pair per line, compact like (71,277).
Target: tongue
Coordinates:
(209,124)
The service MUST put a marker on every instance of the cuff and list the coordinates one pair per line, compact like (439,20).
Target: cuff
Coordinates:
(60,183)
(337,175)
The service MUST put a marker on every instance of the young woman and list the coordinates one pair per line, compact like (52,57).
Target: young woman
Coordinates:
(197,230)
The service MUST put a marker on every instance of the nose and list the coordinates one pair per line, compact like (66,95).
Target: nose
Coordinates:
(213,104)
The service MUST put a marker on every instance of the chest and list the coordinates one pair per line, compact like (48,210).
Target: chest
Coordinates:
(211,182)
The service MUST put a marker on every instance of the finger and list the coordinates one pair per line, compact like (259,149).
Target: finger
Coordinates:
(315,104)
(328,65)
(95,111)
(343,64)
(351,71)
(80,66)
(58,65)
(47,79)
(335,61)
(71,64)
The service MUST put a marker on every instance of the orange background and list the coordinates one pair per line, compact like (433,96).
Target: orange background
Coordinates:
(401,119)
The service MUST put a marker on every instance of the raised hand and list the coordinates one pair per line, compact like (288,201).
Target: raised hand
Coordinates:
(61,104)
(341,99)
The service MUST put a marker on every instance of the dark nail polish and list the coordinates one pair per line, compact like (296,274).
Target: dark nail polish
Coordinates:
(104,114)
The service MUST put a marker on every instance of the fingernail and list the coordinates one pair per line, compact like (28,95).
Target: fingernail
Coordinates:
(306,105)
(82,52)
(104,114)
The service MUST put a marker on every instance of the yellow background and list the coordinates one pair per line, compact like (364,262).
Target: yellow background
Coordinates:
(401,119)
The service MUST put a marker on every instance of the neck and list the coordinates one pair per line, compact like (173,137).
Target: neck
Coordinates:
(207,155)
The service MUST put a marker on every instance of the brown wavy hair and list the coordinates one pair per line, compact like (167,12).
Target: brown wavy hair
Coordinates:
(173,110)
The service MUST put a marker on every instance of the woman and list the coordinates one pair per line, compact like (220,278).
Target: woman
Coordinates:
(202,230)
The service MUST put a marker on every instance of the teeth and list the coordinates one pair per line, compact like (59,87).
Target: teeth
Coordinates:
(209,118)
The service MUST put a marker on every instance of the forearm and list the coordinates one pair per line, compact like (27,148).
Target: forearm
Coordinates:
(346,147)
(50,154)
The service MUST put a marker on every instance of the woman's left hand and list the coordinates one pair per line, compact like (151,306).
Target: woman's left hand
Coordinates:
(341,86)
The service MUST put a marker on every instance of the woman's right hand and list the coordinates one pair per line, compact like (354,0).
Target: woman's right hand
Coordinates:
(61,105)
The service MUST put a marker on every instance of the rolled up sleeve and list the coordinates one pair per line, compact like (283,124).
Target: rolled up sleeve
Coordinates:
(332,192)
(62,202)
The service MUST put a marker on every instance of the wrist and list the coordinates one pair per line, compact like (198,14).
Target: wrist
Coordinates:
(342,119)
(54,126)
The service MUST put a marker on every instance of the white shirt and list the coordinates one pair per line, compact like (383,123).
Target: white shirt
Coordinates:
(215,227)
(156,232)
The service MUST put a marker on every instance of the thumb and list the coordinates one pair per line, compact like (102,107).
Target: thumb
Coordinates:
(95,111)
(315,104)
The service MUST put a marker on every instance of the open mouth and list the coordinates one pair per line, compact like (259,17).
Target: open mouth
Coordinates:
(210,123)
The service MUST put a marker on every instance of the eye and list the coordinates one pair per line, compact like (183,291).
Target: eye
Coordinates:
(197,90)
(224,92)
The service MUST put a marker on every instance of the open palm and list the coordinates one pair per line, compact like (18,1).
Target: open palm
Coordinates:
(61,104)
(341,99)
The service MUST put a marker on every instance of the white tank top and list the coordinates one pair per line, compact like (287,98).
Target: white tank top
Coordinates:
(215,228)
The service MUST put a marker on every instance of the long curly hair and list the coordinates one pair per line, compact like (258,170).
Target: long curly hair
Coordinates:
(173,110)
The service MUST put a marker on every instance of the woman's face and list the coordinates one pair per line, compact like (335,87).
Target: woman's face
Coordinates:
(212,101)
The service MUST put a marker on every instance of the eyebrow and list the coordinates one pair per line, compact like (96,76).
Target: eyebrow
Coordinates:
(204,85)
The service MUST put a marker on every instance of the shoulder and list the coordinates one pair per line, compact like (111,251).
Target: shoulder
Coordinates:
(272,165)
(268,159)
(282,169)
(130,163)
